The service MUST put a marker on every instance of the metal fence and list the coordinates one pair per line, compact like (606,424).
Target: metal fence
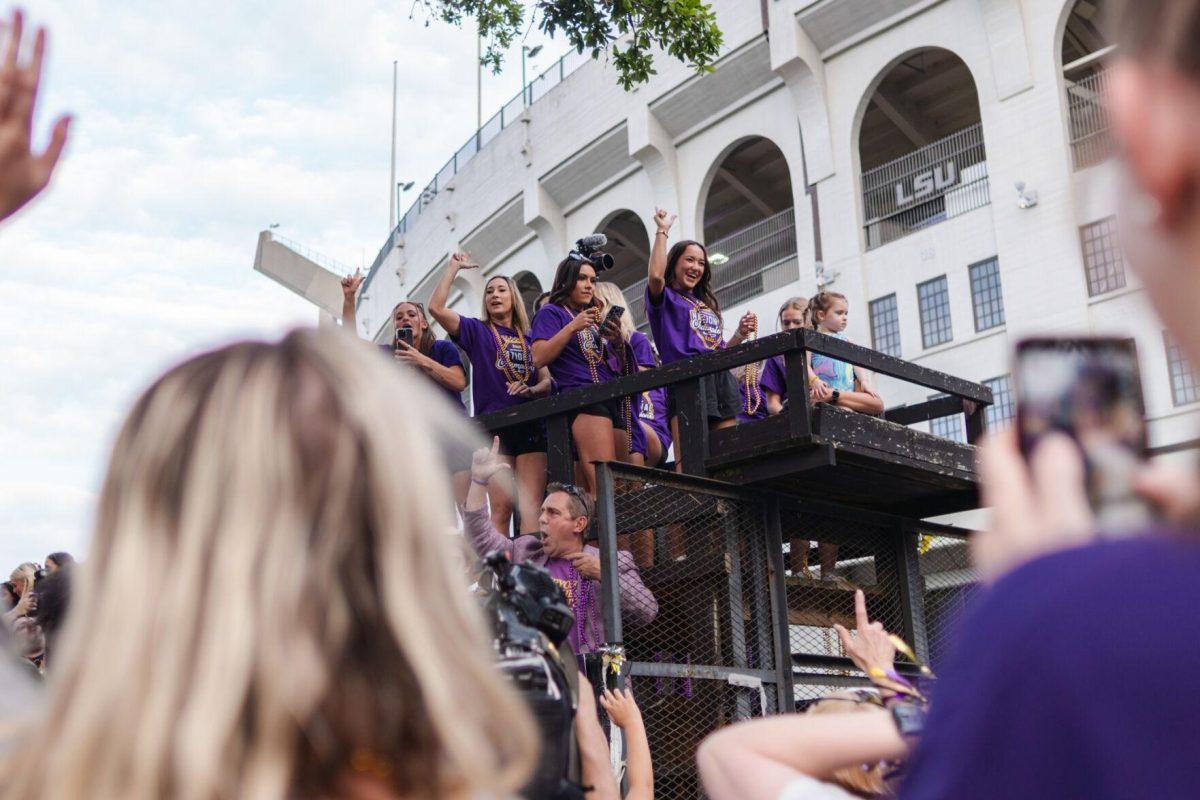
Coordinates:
(940,181)
(1088,119)
(746,587)
(761,258)
(509,113)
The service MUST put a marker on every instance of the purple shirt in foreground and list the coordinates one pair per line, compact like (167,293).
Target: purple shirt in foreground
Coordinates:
(570,370)
(682,327)
(1072,678)
(651,406)
(489,384)
(446,354)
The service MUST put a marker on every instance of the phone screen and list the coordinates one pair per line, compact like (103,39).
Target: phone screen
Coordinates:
(404,335)
(614,315)
(1090,390)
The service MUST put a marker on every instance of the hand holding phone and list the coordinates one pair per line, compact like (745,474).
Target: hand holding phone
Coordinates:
(403,335)
(614,315)
(1088,389)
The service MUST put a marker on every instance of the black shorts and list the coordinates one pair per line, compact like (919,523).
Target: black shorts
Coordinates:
(723,397)
(610,409)
(517,440)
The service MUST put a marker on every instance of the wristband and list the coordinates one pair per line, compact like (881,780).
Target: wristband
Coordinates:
(661,233)
(477,481)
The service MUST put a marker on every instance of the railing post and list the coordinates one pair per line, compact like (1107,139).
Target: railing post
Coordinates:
(912,591)
(691,406)
(799,404)
(606,535)
(976,418)
(560,464)
(786,693)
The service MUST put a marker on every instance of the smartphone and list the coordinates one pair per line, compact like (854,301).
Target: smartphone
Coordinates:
(614,315)
(403,335)
(1089,389)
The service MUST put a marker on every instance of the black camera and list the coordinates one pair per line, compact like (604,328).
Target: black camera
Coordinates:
(531,619)
(588,251)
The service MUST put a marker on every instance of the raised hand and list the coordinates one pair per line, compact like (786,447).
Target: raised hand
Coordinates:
(485,463)
(748,324)
(350,284)
(621,708)
(22,173)
(585,319)
(462,261)
(663,219)
(871,648)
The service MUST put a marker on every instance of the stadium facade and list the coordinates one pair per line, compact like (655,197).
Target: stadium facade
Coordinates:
(943,163)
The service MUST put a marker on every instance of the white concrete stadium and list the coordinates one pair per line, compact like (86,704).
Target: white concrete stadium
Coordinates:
(870,146)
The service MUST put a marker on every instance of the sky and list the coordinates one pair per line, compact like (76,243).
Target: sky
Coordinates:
(197,125)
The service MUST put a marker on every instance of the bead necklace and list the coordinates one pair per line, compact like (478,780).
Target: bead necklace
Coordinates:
(753,389)
(585,599)
(511,371)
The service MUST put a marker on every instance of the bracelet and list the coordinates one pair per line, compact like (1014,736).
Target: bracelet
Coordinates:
(478,482)
(661,233)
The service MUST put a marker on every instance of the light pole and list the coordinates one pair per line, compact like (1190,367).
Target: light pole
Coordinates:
(392,210)
(530,52)
(401,187)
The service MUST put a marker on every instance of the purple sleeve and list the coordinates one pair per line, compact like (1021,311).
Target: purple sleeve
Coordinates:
(638,604)
(446,354)
(643,352)
(469,331)
(773,377)
(547,322)
(483,536)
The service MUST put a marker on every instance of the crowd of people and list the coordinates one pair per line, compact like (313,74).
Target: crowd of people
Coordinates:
(273,601)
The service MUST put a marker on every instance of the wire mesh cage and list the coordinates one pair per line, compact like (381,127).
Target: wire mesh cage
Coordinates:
(949,584)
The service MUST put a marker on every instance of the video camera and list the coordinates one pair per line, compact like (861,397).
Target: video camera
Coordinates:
(531,619)
(588,251)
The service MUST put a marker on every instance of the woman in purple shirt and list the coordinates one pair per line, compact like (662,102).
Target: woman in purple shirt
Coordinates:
(686,318)
(764,385)
(503,375)
(567,338)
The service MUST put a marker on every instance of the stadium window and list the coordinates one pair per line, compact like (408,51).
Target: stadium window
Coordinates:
(951,427)
(885,325)
(1102,257)
(1183,379)
(986,297)
(933,300)
(1002,410)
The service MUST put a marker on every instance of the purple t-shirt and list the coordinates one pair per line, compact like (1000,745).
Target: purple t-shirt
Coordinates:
(683,326)
(771,377)
(446,354)
(571,369)
(652,405)
(491,364)
(1071,677)
(581,595)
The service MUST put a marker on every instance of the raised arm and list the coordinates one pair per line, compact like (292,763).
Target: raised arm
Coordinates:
(546,351)
(350,285)
(477,522)
(22,172)
(625,714)
(437,304)
(595,764)
(747,325)
(657,279)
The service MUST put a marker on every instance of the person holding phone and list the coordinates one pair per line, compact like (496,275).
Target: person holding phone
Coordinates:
(503,375)
(415,346)
(568,338)
(685,317)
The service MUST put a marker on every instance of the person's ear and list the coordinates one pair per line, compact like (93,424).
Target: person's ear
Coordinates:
(1153,113)
(581,526)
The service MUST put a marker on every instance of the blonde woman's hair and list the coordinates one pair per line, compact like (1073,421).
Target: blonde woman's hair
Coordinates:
(792,304)
(520,316)
(298,619)
(25,574)
(612,295)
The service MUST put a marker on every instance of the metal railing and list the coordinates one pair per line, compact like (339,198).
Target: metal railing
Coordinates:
(1088,120)
(940,181)
(762,257)
(320,259)
(509,113)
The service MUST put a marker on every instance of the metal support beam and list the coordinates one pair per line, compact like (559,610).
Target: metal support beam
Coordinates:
(912,592)
(785,700)
(606,532)
(745,191)
(903,116)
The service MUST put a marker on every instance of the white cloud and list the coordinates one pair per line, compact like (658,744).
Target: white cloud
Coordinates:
(196,126)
